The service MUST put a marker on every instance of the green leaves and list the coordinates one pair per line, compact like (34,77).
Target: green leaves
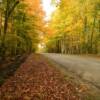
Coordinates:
(20,29)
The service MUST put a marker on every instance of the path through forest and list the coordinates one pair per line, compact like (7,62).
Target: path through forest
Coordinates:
(37,79)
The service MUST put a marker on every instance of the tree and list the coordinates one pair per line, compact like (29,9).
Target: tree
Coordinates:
(22,26)
(77,24)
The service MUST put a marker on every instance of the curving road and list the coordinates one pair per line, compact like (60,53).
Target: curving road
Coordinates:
(88,68)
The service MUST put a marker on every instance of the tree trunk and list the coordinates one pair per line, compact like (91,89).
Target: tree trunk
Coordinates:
(92,35)
(8,12)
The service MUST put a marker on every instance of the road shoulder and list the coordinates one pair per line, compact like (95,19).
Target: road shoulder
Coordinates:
(89,91)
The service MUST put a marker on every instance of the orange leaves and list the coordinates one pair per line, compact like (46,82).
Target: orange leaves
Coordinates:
(34,7)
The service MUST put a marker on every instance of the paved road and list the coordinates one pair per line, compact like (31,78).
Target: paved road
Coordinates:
(87,68)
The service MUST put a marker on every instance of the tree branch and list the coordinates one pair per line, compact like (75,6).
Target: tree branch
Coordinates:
(13,7)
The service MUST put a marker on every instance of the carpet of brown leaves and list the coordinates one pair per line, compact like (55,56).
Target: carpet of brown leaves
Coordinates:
(36,79)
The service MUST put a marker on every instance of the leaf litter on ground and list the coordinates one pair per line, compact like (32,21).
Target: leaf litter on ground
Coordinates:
(36,79)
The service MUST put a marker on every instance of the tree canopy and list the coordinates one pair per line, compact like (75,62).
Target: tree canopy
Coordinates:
(75,26)
(21,22)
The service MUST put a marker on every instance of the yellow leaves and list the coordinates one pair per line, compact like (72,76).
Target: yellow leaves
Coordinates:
(68,29)
(83,88)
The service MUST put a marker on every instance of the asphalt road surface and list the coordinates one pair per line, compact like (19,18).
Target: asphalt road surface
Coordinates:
(88,68)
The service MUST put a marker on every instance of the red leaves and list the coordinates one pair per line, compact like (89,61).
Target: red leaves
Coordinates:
(38,80)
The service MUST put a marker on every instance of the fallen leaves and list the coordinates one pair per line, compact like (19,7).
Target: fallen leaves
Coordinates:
(38,80)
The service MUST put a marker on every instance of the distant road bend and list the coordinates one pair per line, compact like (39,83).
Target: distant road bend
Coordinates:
(86,67)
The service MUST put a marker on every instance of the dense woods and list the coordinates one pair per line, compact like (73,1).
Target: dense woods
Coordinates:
(75,27)
(20,24)
(49,49)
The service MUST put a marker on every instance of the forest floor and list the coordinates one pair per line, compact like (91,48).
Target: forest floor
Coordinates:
(39,79)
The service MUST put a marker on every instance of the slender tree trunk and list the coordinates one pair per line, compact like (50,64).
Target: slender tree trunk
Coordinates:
(92,34)
(84,35)
(99,26)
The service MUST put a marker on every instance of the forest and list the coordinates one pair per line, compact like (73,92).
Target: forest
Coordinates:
(74,27)
(20,24)
(49,49)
